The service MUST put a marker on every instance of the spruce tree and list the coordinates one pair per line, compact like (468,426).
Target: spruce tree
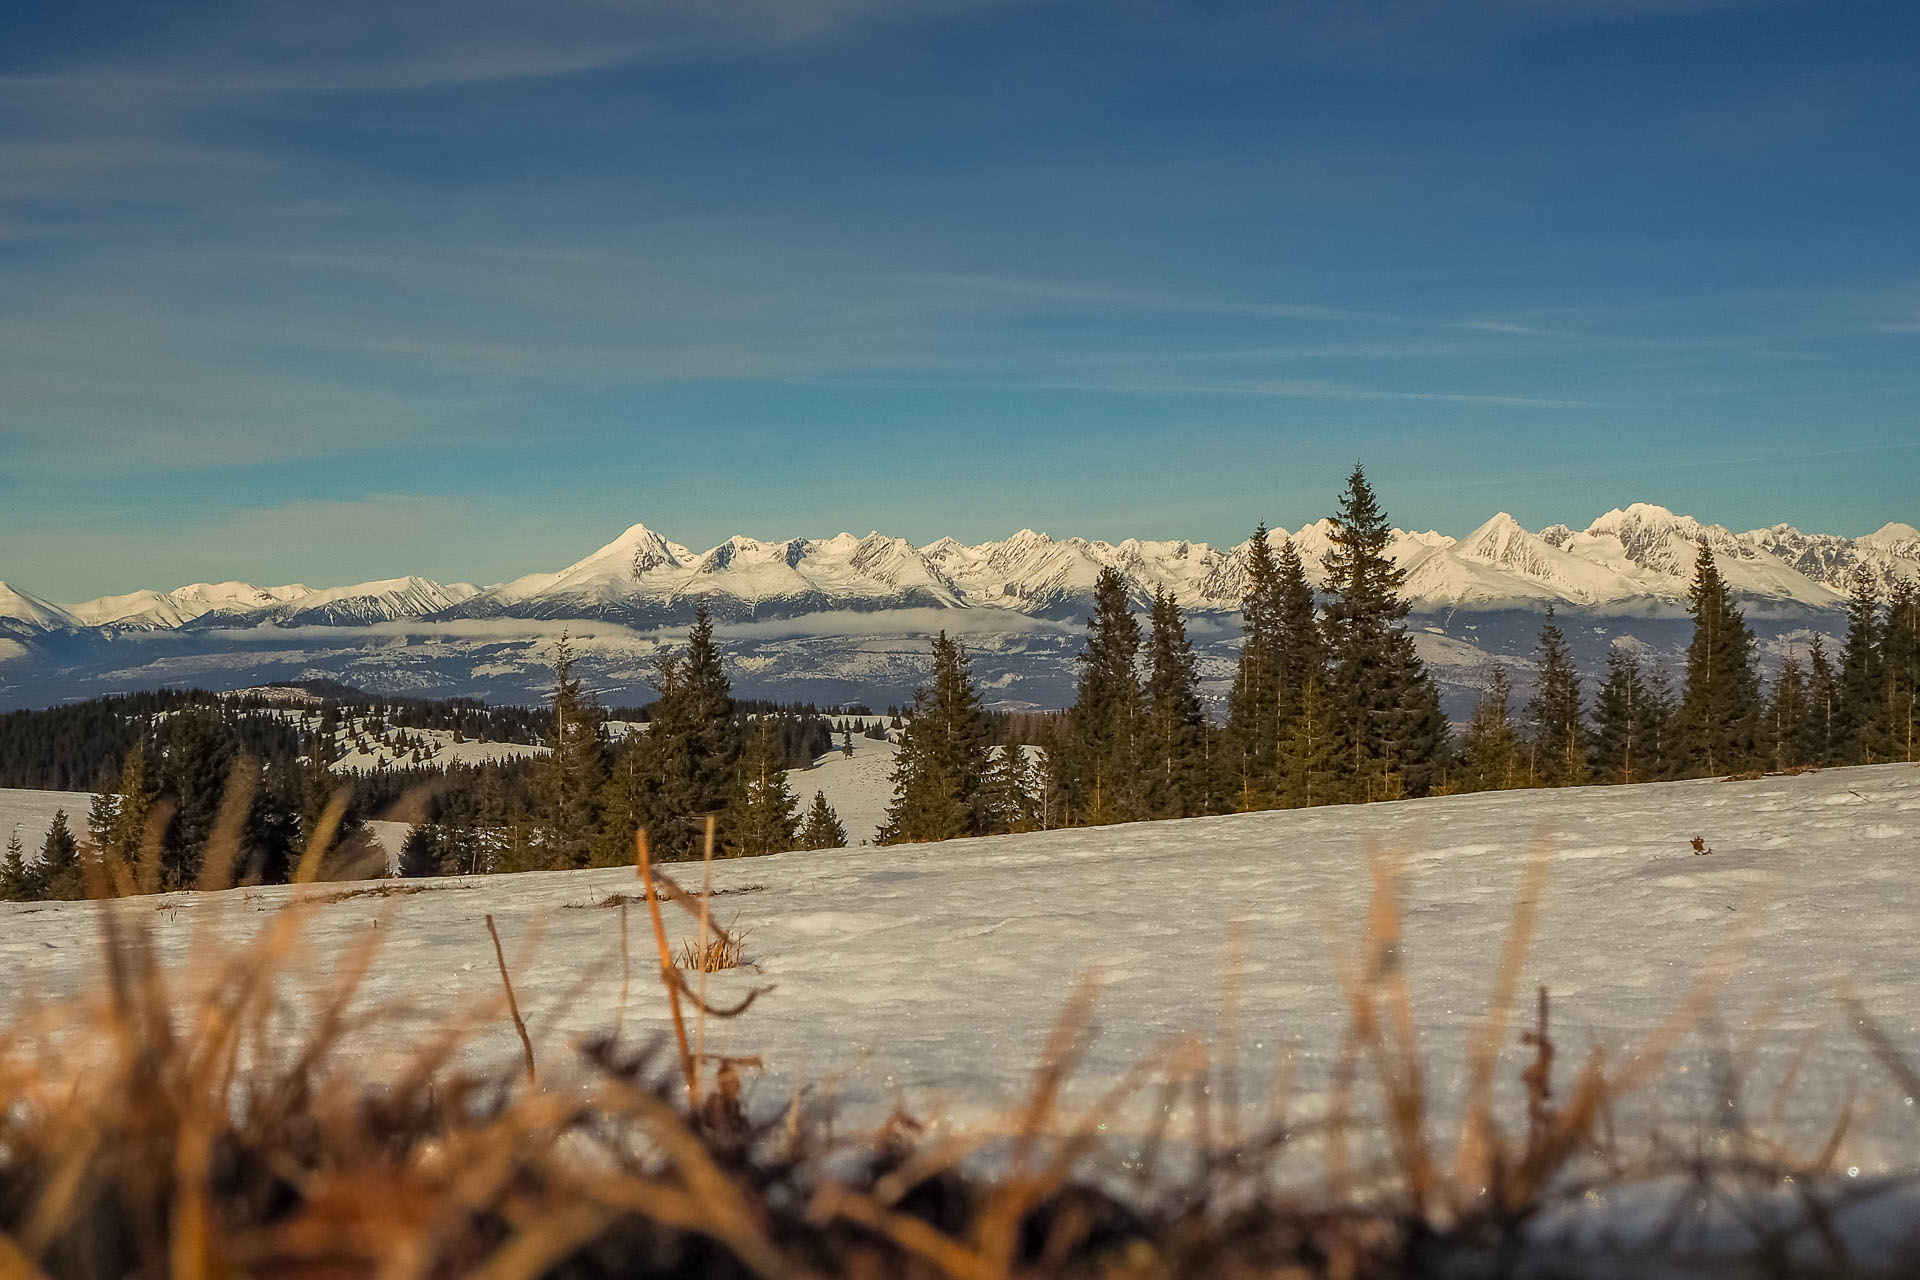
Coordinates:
(59,873)
(1012,791)
(665,781)
(1900,660)
(1717,726)
(822,829)
(1393,739)
(420,853)
(1173,742)
(941,768)
(17,881)
(1785,730)
(1491,749)
(1627,717)
(1101,773)
(1556,741)
(1309,757)
(1823,706)
(574,770)
(761,819)
(199,762)
(1252,740)
(1860,717)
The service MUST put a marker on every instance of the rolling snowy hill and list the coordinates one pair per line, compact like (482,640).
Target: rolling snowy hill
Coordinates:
(926,976)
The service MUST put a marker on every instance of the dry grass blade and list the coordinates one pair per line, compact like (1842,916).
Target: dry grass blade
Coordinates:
(669,978)
(1478,1138)
(513,1006)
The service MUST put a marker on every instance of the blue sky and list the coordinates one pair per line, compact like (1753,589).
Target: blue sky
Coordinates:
(329,292)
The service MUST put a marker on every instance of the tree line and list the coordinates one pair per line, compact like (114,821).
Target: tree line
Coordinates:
(1330,704)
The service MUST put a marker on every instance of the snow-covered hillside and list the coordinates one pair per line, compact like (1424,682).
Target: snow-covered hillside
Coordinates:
(927,976)
(29,814)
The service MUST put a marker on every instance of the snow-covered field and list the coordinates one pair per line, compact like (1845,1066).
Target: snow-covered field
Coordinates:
(929,975)
(30,814)
(859,789)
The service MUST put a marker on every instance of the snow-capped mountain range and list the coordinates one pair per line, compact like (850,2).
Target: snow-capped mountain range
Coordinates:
(845,618)
(1632,561)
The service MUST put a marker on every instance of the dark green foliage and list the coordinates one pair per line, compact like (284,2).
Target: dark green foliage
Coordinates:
(574,771)
(1823,706)
(58,874)
(1629,723)
(1556,740)
(1717,726)
(198,763)
(761,819)
(1173,752)
(1784,729)
(1860,717)
(822,829)
(420,854)
(1491,749)
(1012,792)
(1900,660)
(1251,743)
(1100,753)
(1281,655)
(939,775)
(17,881)
(668,779)
(1310,771)
(1393,739)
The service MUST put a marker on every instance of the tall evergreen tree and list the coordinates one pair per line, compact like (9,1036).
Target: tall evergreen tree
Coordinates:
(822,829)
(1556,742)
(1012,791)
(665,781)
(1393,739)
(762,818)
(1785,730)
(1717,726)
(199,765)
(939,774)
(1252,741)
(1823,706)
(1900,659)
(17,881)
(574,770)
(1491,749)
(1860,718)
(1101,774)
(1628,720)
(1310,771)
(59,872)
(1173,742)
(1303,657)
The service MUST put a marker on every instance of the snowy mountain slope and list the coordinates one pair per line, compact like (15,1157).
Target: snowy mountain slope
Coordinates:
(22,613)
(640,577)
(1891,552)
(239,604)
(927,977)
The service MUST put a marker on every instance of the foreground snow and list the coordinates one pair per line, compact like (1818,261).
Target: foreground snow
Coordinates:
(929,975)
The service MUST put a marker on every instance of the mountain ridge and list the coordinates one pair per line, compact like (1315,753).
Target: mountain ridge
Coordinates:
(1630,561)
